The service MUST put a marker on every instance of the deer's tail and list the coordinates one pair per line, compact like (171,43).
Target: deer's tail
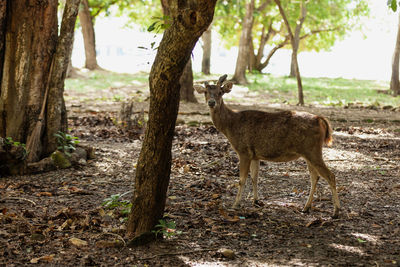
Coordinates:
(327,130)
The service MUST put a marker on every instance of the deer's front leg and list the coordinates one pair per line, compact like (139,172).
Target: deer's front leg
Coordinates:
(244,171)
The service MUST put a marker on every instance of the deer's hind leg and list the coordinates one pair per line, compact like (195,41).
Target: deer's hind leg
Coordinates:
(314,180)
(244,172)
(254,169)
(319,165)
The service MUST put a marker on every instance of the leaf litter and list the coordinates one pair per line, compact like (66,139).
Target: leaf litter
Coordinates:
(57,218)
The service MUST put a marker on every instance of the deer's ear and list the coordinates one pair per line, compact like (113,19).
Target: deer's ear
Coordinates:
(200,89)
(227,87)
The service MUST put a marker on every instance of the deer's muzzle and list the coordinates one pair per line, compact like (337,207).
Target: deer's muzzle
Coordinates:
(211,103)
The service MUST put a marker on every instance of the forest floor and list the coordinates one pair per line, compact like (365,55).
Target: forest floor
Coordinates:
(57,218)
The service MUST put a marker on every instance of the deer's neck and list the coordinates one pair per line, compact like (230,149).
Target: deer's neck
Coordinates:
(222,117)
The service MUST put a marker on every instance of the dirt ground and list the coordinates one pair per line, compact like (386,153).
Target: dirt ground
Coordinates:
(57,218)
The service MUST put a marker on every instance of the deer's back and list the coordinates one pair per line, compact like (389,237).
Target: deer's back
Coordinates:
(279,136)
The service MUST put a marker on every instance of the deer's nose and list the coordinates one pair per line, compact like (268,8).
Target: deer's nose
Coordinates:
(211,103)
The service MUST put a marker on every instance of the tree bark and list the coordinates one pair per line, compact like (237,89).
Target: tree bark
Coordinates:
(244,43)
(255,59)
(3,13)
(89,39)
(394,81)
(294,56)
(297,40)
(206,61)
(186,81)
(189,20)
(30,47)
(56,111)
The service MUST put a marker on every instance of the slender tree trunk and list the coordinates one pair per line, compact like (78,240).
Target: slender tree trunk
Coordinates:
(297,39)
(186,81)
(56,115)
(394,81)
(206,61)
(292,40)
(88,33)
(244,43)
(31,45)
(189,20)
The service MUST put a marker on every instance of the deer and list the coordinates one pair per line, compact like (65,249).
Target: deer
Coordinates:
(280,136)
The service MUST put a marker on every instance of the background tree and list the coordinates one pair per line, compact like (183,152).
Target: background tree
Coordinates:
(89,40)
(34,57)
(189,20)
(242,60)
(206,60)
(158,13)
(293,42)
(394,80)
(88,12)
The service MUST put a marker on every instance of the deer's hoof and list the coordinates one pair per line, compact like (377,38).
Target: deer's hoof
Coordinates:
(257,203)
(335,214)
(306,210)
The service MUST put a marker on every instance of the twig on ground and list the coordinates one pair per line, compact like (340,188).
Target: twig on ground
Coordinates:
(18,198)
(178,253)
(116,235)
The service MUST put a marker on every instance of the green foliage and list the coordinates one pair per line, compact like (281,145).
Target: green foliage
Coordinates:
(116,202)
(392,5)
(66,142)
(10,142)
(143,13)
(167,229)
(326,21)
(97,7)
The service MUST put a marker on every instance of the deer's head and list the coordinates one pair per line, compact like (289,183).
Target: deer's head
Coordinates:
(214,92)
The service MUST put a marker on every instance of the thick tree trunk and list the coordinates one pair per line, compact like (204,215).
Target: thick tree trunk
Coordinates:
(394,81)
(206,61)
(31,37)
(189,20)
(31,45)
(292,40)
(88,33)
(186,81)
(3,17)
(244,43)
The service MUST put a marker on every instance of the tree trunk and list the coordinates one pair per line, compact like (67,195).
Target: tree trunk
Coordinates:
(88,33)
(255,59)
(206,61)
(31,45)
(394,81)
(244,43)
(292,40)
(296,43)
(186,81)
(56,112)
(189,20)
(3,17)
